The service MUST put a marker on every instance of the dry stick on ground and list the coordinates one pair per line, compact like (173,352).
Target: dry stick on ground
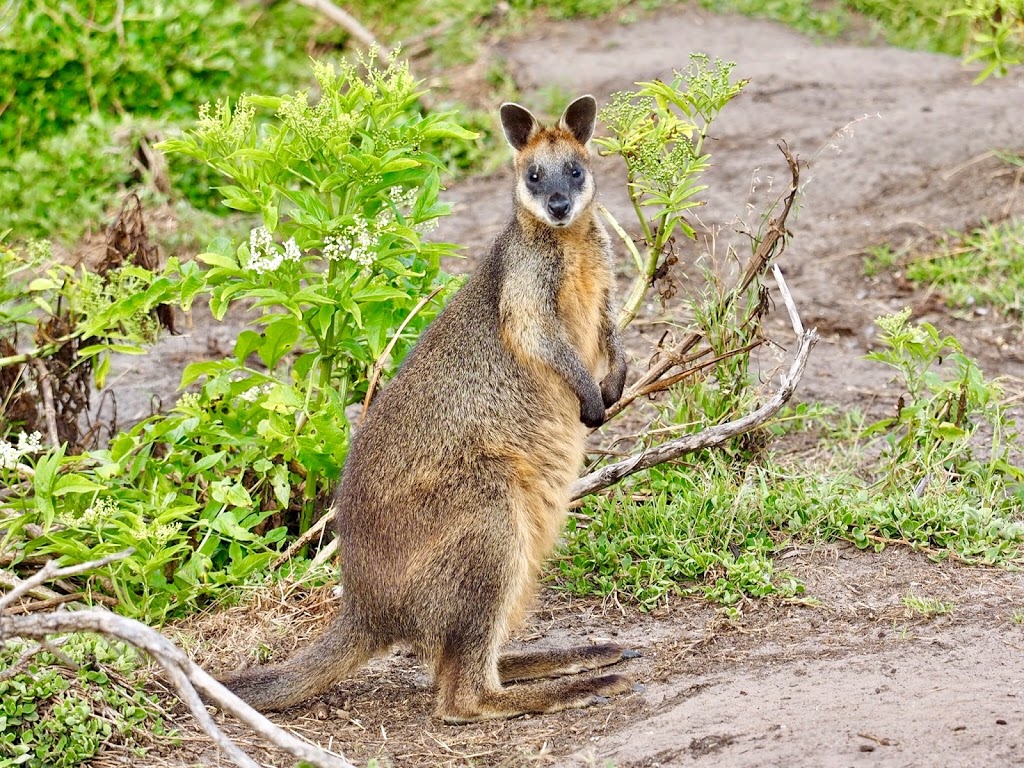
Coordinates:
(189,680)
(717,434)
(771,246)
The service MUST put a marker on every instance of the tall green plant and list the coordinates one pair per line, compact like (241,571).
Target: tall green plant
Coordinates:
(659,132)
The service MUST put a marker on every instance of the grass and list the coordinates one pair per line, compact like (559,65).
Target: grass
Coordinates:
(927,607)
(980,268)
(938,478)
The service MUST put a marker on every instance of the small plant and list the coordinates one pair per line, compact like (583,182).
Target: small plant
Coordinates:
(927,607)
(932,437)
(659,131)
(59,712)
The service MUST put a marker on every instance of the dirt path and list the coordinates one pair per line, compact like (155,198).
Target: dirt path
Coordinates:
(856,680)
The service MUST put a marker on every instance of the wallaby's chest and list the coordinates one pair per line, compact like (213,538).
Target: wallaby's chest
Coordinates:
(582,298)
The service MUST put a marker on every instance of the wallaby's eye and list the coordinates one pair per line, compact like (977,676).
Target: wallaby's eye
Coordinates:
(533,175)
(576,171)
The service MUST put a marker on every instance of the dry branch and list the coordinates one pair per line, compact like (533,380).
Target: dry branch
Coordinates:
(717,434)
(190,681)
(49,410)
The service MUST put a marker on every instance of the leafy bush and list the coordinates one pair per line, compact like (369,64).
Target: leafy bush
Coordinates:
(207,492)
(86,82)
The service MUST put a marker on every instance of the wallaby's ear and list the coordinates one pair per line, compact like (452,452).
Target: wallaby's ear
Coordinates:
(580,118)
(518,124)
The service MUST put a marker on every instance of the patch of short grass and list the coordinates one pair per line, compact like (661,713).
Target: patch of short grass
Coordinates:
(980,268)
(806,16)
(983,267)
(927,607)
(699,529)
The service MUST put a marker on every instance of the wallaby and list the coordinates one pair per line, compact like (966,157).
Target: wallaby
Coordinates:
(456,484)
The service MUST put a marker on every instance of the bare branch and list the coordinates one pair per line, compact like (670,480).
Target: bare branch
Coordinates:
(188,679)
(304,539)
(717,434)
(49,411)
(50,572)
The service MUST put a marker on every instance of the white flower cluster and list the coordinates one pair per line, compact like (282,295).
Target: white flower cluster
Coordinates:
(265,255)
(101,509)
(358,243)
(10,454)
(252,394)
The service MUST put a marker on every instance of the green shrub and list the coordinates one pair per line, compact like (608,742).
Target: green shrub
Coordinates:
(208,492)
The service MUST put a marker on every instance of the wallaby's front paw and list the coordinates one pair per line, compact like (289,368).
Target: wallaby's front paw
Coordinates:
(611,389)
(613,384)
(592,413)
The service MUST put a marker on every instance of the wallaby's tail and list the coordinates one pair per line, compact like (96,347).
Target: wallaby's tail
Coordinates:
(333,656)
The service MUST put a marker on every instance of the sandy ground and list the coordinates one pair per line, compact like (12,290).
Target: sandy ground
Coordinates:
(898,148)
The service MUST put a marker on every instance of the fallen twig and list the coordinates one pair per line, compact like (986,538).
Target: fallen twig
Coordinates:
(50,572)
(49,411)
(189,681)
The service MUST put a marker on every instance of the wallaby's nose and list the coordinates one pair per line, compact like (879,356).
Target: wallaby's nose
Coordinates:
(559,205)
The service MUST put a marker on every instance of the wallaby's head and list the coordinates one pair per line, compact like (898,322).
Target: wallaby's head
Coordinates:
(554,182)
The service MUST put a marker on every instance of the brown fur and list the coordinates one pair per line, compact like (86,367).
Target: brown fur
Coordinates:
(456,485)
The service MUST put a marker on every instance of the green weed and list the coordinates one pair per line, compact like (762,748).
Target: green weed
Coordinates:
(56,716)
(927,607)
(935,435)
(697,529)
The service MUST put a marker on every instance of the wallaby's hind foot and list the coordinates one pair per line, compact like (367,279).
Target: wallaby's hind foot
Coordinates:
(468,687)
(464,705)
(533,665)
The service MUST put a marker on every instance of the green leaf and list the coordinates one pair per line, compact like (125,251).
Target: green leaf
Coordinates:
(227,523)
(278,339)
(74,483)
(42,284)
(225,261)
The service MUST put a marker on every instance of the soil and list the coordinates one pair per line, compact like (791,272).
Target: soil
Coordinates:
(899,149)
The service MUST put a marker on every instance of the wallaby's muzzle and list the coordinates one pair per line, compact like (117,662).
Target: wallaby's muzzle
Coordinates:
(559,206)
